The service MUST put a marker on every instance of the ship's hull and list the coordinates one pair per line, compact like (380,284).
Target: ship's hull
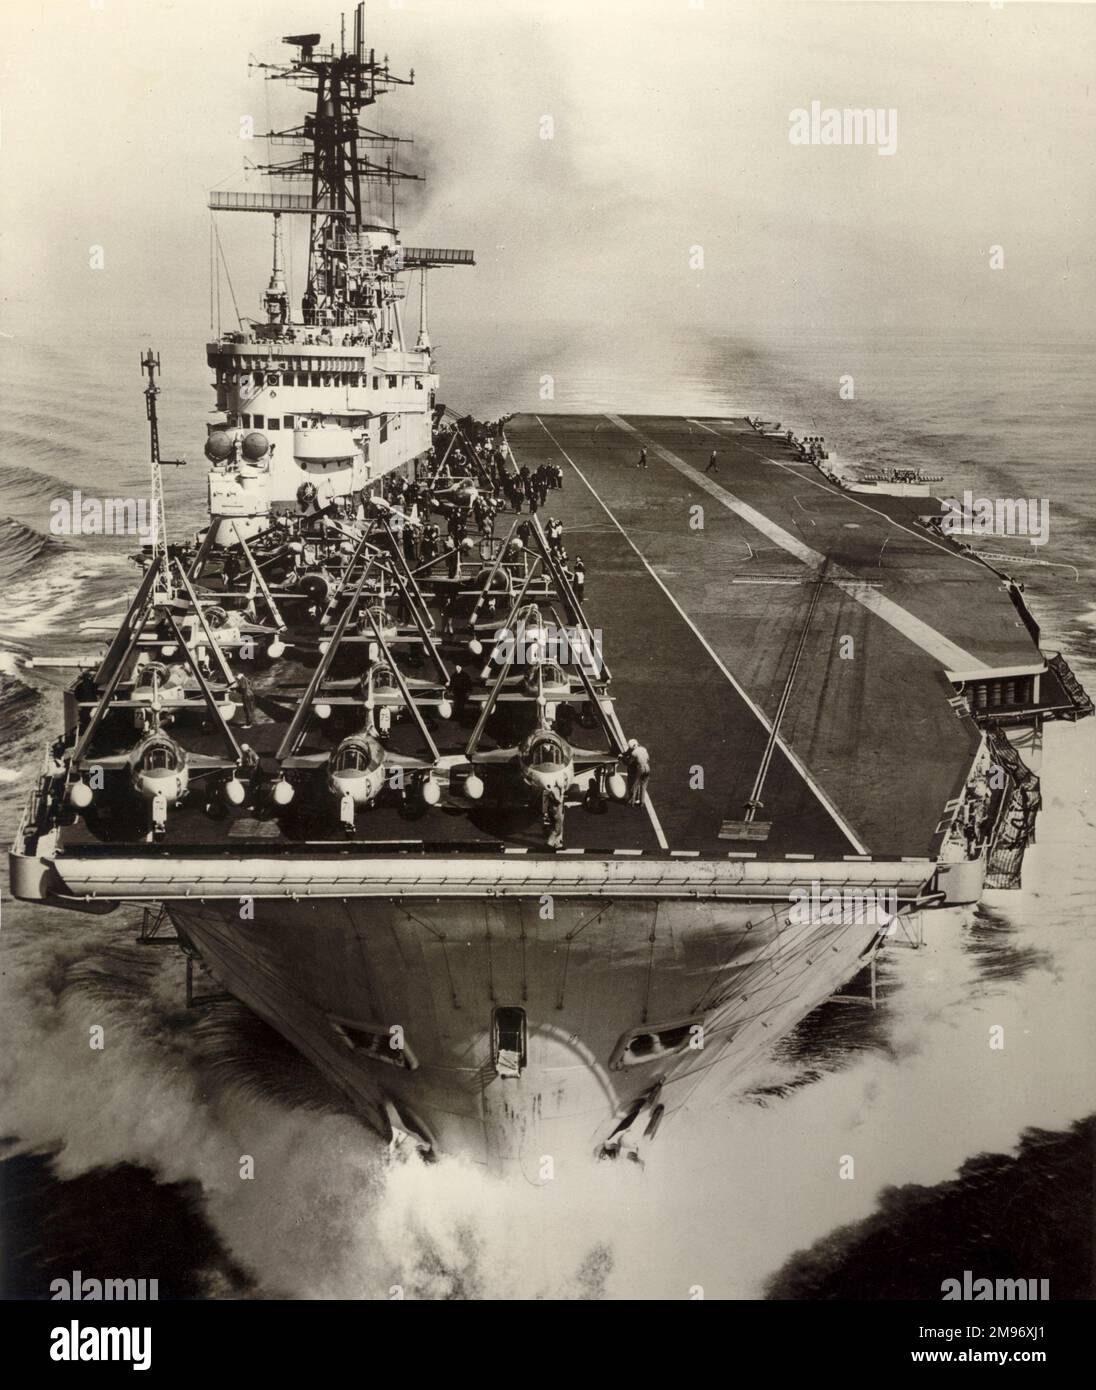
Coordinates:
(629,1006)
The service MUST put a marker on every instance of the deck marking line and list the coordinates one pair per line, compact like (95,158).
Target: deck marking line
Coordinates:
(656,824)
(837,491)
(756,710)
(941,648)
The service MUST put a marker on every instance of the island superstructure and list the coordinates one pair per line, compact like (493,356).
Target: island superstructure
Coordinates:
(333,392)
(374,754)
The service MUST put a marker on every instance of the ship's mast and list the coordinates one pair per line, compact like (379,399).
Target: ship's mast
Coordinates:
(347,184)
(423,343)
(150,365)
(347,169)
(276,299)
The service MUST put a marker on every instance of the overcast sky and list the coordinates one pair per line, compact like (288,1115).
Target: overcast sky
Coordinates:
(670,131)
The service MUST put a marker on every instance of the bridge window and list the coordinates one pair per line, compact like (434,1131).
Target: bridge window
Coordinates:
(287,421)
(258,420)
(376,383)
(245,421)
(273,423)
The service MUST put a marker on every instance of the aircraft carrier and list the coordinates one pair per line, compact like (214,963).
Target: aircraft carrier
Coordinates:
(525,851)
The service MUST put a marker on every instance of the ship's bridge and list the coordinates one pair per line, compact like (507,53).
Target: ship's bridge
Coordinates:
(304,375)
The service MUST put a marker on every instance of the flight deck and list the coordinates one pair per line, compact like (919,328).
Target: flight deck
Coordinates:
(709,583)
(789,653)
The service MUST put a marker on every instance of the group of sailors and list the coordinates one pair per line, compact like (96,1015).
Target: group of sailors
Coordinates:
(531,489)
(361,335)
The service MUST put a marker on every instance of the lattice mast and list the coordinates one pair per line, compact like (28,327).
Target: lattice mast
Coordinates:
(349,169)
(150,365)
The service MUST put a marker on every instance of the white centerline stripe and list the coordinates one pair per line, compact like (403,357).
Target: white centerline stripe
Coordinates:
(757,712)
(941,648)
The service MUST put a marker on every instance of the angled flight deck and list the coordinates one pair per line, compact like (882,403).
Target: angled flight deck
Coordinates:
(713,587)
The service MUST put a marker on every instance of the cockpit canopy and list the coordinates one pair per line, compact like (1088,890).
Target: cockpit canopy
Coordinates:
(356,755)
(378,616)
(548,674)
(152,670)
(161,756)
(547,751)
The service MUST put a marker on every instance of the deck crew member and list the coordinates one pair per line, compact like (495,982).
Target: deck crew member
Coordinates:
(713,462)
(552,806)
(641,462)
(247,698)
(460,683)
(578,578)
(250,770)
(638,762)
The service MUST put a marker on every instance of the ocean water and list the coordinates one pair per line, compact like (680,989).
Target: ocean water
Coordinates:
(125,1162)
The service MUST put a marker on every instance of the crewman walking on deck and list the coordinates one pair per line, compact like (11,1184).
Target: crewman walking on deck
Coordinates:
(578,581)
(460,683)
(246,692)
(713,462)
(638,762)
(641,462)
(552,808)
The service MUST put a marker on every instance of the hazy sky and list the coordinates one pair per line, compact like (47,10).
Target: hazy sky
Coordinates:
(671,131)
